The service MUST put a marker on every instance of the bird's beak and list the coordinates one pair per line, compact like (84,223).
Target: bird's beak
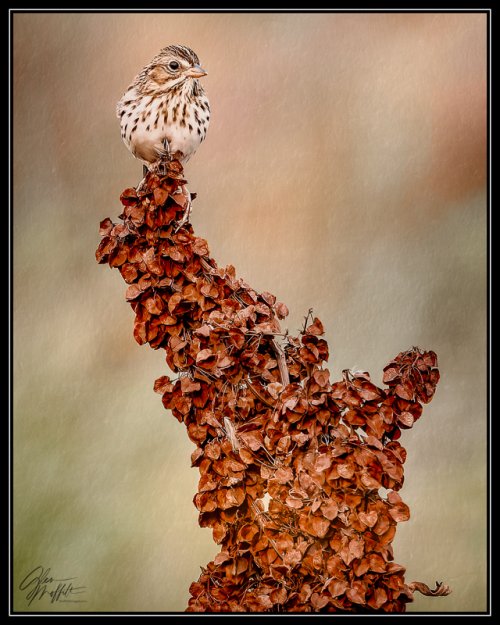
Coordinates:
(195,72)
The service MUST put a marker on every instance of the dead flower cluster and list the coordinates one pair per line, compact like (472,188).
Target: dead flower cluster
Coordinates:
(291,464)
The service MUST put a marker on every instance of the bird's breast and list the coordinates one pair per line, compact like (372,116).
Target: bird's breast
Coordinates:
(148,121)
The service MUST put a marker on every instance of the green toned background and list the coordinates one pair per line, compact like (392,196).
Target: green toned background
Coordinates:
(344,170)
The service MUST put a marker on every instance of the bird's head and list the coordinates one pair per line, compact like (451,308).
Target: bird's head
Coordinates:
(173,66)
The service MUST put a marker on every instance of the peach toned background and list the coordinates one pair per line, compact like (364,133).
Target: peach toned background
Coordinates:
(344,170)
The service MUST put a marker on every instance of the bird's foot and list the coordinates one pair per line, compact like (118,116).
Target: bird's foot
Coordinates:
(165,158)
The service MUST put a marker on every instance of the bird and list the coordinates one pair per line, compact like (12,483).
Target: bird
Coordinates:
(164,114)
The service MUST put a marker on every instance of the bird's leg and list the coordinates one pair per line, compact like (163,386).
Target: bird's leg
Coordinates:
(164,158)
(187,210)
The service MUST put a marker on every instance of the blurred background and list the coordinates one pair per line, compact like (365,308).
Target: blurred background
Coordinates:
(344,170)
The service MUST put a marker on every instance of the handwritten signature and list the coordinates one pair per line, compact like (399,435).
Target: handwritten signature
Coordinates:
(39,583)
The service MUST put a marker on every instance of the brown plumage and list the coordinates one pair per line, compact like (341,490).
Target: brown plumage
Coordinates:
(165,113)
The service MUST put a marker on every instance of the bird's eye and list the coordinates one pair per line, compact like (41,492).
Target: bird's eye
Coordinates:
(173,65)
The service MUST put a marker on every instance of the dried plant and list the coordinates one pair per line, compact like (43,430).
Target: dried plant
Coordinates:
(291,464)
